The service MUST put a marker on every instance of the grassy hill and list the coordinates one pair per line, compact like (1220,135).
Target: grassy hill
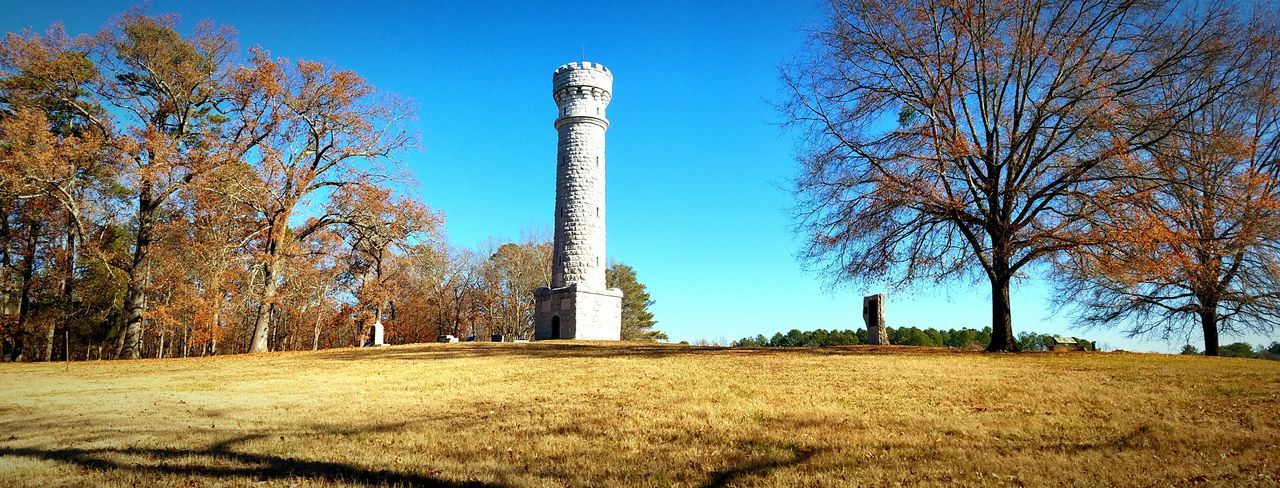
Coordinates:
(580,414)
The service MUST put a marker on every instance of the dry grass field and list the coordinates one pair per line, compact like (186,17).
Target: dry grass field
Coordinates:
(580,414)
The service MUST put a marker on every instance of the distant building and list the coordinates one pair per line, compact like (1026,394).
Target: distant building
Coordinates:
(1066,344)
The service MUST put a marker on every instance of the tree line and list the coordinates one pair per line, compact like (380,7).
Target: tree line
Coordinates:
(1127,151)
(168,194)
(963,338)
(1242,350)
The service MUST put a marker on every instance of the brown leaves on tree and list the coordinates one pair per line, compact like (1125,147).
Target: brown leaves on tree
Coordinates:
(1193,226)
(955,138)
(197,189)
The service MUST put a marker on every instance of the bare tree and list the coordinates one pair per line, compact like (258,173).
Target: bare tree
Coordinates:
(942,137)
(328,132)
(1195,242)
(170,94)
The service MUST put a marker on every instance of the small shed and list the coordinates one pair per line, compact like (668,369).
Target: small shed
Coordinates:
(1064,344)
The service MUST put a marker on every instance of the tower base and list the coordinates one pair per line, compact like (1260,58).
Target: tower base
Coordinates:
(576,313)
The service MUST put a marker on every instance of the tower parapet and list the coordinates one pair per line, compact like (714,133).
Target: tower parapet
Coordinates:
(582,92)
(584,73)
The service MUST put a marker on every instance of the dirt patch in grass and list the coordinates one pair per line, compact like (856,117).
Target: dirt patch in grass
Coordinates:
(590,414)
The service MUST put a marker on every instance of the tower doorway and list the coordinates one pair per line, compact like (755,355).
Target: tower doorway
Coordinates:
(555,327)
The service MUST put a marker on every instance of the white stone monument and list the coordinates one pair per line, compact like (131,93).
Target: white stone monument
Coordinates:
(377,334)
(578,305)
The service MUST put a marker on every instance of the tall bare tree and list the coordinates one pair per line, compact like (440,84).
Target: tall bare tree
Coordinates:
(944,137)
(170,93)
(1195,242)
(330,133)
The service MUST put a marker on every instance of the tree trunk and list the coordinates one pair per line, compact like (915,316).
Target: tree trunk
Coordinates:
(315,342)
(262,324)
(359,330)
(24,300)
(50,336)
(1002,339)
(1209,323)
(273,330)
(135,295)
(6,293)
(270,273)
(215,326)
(68,281)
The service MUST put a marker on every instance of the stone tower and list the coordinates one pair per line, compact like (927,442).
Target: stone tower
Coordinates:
(873,315)
(578,305)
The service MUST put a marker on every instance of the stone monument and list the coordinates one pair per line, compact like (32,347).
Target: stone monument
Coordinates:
(873,316)
(376,334)
(578,305)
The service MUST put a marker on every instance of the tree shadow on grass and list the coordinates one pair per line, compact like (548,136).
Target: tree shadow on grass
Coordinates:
(726,476)
(258,467)
(219,460)
(801,455)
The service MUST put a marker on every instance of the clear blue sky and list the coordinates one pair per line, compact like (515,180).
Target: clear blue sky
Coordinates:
(698,170)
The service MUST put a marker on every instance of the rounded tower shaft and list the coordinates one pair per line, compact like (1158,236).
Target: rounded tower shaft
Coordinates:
(582,92)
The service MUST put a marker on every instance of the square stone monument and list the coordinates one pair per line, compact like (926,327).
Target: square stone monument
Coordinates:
(873,316)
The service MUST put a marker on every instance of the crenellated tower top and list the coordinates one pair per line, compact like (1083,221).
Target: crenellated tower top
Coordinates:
(582,92)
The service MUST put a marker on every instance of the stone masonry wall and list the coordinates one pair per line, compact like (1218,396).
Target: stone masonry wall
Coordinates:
(583,314)
(582,92)
(580,230)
